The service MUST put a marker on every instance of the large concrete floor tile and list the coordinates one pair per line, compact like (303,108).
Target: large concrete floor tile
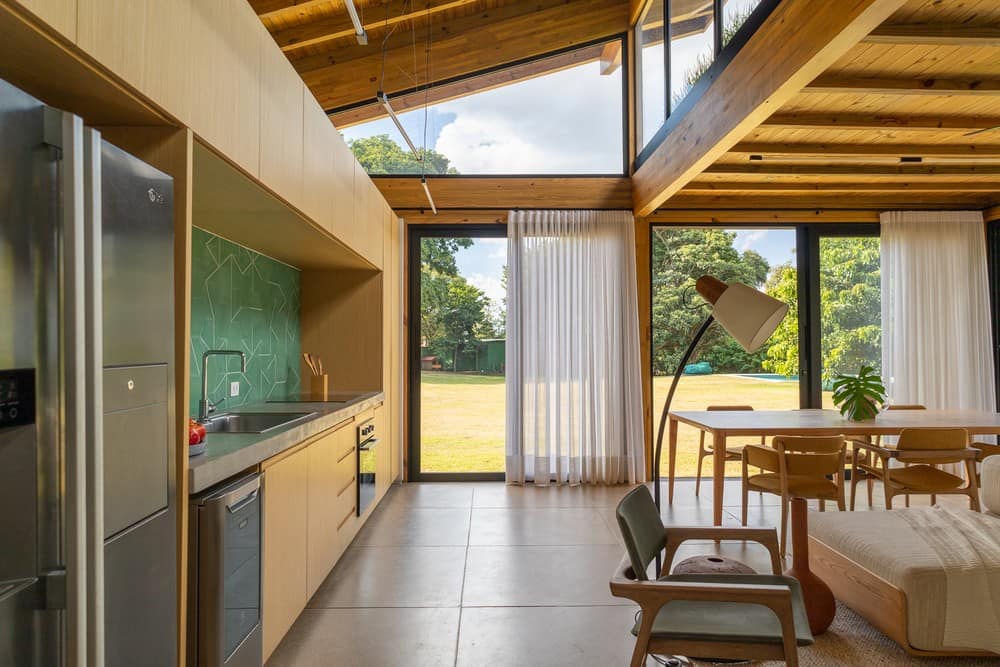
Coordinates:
(398,525)
(430,495)
(550,636)
(530,496)
(367,637)
(394,577)
(512,527)
(537,576)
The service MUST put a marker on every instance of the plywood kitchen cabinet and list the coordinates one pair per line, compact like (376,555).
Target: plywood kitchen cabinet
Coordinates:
(281,132)
(318,170)
(59,14)
(383,452)
(134,37)
(284,586)
(342,189)
(330,482)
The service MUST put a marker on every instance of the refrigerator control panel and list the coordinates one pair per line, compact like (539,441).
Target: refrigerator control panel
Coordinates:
(17,397)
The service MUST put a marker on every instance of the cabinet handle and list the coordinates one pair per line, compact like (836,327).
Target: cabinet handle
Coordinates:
(346,487)
(347,518)
(346,454)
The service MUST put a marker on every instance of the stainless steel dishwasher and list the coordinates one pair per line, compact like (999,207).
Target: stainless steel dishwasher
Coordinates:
(224,576)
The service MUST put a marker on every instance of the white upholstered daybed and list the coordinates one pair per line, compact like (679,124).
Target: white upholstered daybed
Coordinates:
(929,578)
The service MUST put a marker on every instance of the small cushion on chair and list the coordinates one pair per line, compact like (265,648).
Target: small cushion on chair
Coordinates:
(924,478)
(991,484)
(736,622)
(804,486)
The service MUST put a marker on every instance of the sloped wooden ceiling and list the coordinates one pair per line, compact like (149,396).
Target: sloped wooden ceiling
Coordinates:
(466,36)
(909,117)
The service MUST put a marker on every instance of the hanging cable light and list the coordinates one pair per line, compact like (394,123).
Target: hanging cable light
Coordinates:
(427,191)
(359,29)
(384,101)
(427,86)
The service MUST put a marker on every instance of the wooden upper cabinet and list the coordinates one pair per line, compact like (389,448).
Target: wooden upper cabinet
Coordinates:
(281,119)
(368,217)
(145,42)
(342,189)
(224,77)
(318,170)
(59,14)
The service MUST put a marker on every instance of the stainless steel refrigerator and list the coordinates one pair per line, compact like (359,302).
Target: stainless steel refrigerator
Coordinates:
(87,470)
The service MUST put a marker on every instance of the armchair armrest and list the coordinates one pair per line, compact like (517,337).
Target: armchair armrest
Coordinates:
(883,452)
(768,537)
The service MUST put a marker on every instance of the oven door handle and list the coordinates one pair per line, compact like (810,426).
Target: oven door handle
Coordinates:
(367,444)
(249,498)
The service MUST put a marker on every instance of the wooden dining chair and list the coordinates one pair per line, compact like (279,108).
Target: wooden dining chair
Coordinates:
(923,449)
(810,467)
(865,467)
(725,616)
(733,453)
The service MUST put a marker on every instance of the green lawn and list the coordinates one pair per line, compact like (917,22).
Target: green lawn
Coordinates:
(463,416)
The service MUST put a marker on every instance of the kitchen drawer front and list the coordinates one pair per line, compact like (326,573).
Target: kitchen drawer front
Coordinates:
(130,387)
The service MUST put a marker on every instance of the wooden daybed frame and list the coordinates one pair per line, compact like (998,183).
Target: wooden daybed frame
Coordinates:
(871,596)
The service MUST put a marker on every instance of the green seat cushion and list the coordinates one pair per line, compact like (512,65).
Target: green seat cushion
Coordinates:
(736,622)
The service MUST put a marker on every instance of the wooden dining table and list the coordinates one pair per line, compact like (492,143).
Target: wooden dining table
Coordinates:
(724,424)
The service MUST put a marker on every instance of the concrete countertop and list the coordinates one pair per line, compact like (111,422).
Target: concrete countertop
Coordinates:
(230,453)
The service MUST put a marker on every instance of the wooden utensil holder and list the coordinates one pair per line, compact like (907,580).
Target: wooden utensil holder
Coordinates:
(319,387)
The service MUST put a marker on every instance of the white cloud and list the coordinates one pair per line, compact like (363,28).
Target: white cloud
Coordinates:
(497,247)
(748,240)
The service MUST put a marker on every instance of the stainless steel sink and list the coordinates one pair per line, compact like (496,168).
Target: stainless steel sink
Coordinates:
(252,422)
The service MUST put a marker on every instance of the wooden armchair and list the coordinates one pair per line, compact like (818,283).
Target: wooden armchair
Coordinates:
(724,616)
(734,453)
(863,468)
(921,449)
(796,467)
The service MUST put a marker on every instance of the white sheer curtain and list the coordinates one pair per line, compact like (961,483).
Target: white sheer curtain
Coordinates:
(574,406)
(936,341)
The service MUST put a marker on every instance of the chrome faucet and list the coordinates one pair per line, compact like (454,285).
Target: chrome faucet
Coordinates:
(205,408)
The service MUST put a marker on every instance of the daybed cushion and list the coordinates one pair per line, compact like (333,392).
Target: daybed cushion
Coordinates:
(885,544)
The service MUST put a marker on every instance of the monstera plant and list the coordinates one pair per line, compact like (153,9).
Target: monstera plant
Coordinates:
(860,396)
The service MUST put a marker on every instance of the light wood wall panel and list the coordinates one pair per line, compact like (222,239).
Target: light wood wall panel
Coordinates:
(342,188)
(58,14)
(318,162)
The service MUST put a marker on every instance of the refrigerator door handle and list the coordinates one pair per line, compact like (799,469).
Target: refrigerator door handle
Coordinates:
(94,365)
(65,131)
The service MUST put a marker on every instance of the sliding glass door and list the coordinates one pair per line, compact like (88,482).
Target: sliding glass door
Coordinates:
(457,316)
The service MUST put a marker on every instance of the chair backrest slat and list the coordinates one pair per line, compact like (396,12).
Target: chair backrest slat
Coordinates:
(811,455)
(642,530)
(932,439)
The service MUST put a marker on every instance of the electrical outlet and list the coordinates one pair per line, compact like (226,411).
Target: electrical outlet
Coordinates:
(234,388)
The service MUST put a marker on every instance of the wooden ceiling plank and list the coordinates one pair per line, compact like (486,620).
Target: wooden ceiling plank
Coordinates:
(857,121)
(339,26)
(833,200)
(763,216)
(857,169)
(843,83)
(873,150)
(530,32)
(937,34)
(774,65)
(842,187)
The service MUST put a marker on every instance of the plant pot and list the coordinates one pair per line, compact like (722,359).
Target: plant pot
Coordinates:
(859,413)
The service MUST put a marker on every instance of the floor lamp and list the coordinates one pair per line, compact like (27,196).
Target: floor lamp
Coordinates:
(748,315)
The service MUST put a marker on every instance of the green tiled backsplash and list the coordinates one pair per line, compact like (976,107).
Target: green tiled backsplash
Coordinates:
(242,300)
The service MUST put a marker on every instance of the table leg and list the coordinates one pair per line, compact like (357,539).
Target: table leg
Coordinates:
(718,474)
(671,459)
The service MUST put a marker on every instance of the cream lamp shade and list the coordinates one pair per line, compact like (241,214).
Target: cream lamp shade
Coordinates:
(748,315)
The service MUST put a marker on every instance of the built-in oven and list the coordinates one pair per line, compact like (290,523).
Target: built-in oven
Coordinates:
(366,464)
(224,597)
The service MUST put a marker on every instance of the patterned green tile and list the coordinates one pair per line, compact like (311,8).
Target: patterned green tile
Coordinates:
(245,301)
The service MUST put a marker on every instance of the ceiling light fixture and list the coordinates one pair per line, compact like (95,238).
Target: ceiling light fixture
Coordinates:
(384,101)
(359,30)
(427,191)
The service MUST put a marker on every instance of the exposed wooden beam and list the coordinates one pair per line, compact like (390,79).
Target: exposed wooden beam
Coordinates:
(777,169)
(635,8)
(938,34)
(513,32)
(992,213)
(840,83)
(794,45)
(856,121)
(339,26)
(762,216)
(900,200)
(454,217)
(263,7)
(458,192)
(450,91)
(611,58)
(842,187)
(868,150)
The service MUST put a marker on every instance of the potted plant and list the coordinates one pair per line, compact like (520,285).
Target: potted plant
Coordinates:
(860,396)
